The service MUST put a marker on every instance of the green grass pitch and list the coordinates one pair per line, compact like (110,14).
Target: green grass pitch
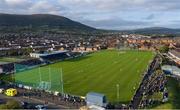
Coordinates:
(97,72)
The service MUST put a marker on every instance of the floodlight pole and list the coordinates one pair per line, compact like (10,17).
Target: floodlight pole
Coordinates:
(40,79)
(14,68)
(62,85)
(172,69)
(50,75)
(117,86)
(13,75)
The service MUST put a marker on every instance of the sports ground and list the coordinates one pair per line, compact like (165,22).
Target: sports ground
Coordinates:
(97,72)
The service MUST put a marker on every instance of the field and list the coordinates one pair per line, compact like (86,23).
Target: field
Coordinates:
(97,72)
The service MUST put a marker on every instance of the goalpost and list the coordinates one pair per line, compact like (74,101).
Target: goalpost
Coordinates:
(43,78)
(44,84)
(61,82)
(49,83)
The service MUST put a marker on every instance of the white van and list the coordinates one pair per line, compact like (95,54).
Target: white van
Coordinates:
(1,90)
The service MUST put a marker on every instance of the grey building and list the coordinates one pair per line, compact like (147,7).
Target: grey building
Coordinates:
(98,99)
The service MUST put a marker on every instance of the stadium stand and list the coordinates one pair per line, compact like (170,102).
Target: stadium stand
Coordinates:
(6,68)
(155,85)
(27,64)
(51,56)
(54,56)
(30,62)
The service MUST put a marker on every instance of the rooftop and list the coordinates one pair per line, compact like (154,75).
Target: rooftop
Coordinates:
(175,52)
(173,69)
(50,53)
(2,63)
(96,94)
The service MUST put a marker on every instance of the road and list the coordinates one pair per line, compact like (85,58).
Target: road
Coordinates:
(32,101)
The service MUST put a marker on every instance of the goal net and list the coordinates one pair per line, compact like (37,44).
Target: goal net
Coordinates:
(43,78)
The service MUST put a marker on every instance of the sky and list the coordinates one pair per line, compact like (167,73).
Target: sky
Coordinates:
(103,14)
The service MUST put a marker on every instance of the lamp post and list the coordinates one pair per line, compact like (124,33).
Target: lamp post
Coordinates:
(62,86)
(117,87)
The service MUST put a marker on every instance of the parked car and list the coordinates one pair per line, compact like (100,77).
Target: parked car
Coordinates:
(27,105)
(1,90)
(41,107)
(2,101)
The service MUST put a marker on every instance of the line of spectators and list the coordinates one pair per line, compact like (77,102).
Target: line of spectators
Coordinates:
(31,62)
(157,85)
(135,102)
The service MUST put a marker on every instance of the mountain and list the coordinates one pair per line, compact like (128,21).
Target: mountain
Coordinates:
(41,21)
(155,30)
(54,23)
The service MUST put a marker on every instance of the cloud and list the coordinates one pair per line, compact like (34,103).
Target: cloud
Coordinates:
(44,7)
(98,13)
(17,3)
(95,5)
(15,6)
(117,23)
(125,5)
(150,17)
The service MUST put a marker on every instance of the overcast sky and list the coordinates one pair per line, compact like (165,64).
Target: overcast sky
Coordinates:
(106,14)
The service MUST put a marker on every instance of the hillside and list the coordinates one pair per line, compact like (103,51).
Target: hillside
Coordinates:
(40,22)
(155,30)
(54,23)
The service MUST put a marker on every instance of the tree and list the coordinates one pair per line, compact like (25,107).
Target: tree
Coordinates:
(12,104)
(27,51)
(3,106)
(164,49)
